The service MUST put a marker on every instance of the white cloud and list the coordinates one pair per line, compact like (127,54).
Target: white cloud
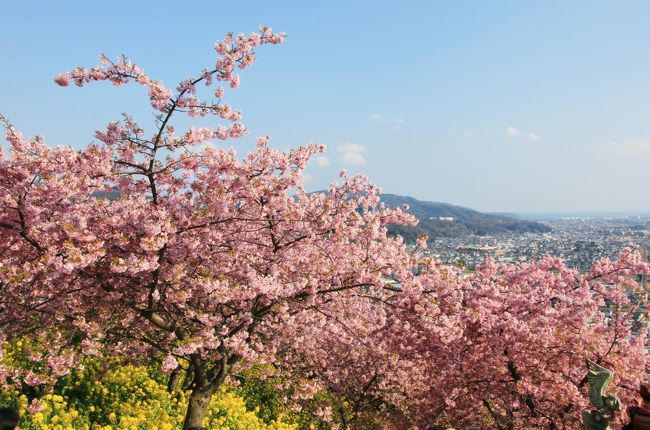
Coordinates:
(322,161)
(533,137)
(630,147)
(465,134)
(307,178)
(511,131)
(381,119)
(351,153)
(353,158)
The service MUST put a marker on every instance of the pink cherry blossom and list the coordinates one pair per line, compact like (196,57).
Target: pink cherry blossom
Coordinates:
(169,364)
(62,79)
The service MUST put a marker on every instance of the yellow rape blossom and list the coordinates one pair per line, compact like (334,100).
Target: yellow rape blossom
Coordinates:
(128,397)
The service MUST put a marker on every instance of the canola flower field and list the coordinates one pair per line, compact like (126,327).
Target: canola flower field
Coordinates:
(129,397)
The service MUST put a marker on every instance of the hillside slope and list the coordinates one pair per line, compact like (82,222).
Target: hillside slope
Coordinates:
(442,219)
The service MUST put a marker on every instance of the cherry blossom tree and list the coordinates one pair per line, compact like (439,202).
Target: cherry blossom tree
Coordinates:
(162,243)
(528,330)
(504,348)
(374,365)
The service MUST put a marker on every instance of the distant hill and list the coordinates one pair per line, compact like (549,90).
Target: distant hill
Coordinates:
(445,220)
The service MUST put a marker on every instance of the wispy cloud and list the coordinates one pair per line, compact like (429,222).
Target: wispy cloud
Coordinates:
(630,147)
(322,161)
(465,134)
(307,178)
(381,119)
(533,137)
(351,153)
(512,132)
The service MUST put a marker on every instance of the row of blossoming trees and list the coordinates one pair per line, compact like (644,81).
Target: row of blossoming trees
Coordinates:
(211,264)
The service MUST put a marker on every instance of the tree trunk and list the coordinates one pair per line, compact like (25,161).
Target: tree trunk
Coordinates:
(174,380)
(189,379)
(197,408)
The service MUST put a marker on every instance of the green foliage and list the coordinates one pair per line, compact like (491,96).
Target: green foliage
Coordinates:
(262,394)
(105,395)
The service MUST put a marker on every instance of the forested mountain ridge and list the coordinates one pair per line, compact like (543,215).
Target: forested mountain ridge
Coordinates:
(443,219)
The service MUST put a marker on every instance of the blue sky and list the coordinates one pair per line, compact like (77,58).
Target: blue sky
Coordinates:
(516,106)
